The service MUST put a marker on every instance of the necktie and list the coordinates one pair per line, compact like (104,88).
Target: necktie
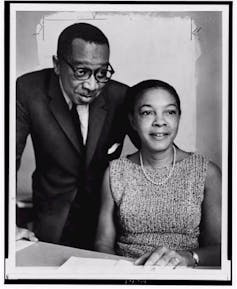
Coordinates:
(77,124)
(74,224)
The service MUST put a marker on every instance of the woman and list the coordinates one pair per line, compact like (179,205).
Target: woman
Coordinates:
(160,205)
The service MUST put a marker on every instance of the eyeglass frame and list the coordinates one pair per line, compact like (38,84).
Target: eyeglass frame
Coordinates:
(94,72)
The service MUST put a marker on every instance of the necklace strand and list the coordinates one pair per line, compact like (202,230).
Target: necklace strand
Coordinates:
(149,178)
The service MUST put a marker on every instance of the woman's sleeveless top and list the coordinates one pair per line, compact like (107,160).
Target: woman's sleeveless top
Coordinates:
(148,215)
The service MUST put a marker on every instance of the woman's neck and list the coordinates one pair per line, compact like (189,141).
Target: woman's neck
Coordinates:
(157,159)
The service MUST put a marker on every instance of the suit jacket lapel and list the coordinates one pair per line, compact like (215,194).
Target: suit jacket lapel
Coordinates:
(61,112)
(97,115)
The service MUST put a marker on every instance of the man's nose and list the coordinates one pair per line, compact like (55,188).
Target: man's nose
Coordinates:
(91,83)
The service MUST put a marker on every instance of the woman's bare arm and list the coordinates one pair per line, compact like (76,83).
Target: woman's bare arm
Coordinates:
(106,234)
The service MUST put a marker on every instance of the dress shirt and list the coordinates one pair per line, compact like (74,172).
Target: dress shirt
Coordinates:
(83,113)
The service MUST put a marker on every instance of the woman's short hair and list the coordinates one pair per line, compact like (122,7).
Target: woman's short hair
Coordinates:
(134,92)
(83,31)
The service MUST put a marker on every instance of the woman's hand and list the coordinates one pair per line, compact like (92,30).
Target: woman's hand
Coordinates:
(22,233)
(163,256)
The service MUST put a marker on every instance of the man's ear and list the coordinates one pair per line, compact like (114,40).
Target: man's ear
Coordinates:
(131,120)
(56,64)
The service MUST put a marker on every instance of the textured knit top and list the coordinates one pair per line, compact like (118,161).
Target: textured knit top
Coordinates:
(148,215)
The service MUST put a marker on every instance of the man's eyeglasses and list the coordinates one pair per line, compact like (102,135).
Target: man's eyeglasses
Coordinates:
(102,74)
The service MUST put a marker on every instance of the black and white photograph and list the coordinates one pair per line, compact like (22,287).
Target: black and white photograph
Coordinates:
(119,142)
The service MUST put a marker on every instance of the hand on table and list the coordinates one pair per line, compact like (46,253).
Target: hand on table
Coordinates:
(22,233)
(163,256)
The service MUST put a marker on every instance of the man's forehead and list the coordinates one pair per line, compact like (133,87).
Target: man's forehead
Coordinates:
(83,45)
(89,52)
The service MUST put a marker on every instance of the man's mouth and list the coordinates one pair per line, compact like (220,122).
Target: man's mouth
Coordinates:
(86,96)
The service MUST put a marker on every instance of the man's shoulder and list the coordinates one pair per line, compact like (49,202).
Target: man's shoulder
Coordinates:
(116,90)
(114,84)
(38,77)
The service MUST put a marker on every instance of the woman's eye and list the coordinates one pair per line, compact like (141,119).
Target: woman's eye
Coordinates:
(146,113)
(171,112)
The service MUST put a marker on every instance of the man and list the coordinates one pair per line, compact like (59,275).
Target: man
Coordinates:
(76,118)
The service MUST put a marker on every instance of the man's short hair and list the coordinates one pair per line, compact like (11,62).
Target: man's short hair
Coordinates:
(83,31)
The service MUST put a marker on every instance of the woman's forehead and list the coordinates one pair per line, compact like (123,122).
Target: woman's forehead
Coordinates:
(156,96)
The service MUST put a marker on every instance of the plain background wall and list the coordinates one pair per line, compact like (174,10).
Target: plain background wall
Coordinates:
(208,71)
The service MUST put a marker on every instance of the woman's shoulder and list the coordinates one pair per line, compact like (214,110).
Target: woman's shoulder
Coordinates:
(200,160)
(121,172)
(126,160)
(193,156)
(123,163)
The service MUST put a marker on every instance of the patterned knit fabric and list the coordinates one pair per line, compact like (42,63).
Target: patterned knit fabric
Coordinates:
(149,216)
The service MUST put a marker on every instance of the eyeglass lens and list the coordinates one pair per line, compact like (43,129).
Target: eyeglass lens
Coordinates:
(101,74)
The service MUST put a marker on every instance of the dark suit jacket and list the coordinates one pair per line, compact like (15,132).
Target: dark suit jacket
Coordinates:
(60,176)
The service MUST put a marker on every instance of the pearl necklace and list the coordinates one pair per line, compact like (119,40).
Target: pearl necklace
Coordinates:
(149,178)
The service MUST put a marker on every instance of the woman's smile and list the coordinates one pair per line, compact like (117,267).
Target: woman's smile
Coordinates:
(159,136)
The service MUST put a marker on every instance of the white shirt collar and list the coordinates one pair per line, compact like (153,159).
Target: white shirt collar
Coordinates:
(82,110)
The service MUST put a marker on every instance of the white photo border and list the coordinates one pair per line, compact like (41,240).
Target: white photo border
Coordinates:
(224,274)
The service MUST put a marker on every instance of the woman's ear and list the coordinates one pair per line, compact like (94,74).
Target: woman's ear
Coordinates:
(131,120)
(56,65)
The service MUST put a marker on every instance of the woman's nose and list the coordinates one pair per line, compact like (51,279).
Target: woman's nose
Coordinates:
(159,120)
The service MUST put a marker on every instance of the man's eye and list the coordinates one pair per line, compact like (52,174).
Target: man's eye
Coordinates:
(102,73)
(81,72)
